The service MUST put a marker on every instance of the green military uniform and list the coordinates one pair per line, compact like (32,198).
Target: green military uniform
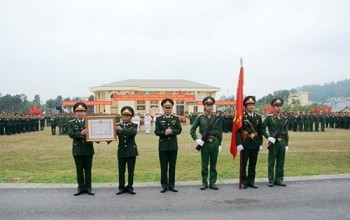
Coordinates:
(2,124)
(127,152)
(250,136)
(42,123)
(60,124)
(53,125)
(83,152)
(210,148)
(168,148)
(276,155)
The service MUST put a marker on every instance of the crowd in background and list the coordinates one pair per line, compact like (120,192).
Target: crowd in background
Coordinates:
(12,123)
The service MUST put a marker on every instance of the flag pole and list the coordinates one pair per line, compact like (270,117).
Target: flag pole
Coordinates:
(237,121)
(241,153)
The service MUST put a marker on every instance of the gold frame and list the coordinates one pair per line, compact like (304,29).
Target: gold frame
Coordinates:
(104,132)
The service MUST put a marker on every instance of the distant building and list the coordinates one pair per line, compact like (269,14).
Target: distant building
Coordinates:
(339,104)
(301,96)
(145,95)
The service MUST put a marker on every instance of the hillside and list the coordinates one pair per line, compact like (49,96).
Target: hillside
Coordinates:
(320,93)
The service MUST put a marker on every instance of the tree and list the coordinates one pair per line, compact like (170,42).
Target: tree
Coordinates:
(37,100)
(58,101)
(14,104)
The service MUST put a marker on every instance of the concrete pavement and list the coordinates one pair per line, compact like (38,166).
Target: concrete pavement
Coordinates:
(313,197)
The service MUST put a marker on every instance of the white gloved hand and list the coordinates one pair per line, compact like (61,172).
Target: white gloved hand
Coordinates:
(220,148)
(286,149)
(239,148)
(271,139)
(200,142)
(260,148)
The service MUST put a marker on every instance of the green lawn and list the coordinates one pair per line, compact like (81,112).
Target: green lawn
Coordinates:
(39,157)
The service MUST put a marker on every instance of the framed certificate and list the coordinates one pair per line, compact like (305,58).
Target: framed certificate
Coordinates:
(100,128)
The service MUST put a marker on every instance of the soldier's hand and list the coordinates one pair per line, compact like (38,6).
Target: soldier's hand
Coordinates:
(220,148)
(286,149)
(261,148)
(240,147)
(271,139)
(83,132)
(200,142)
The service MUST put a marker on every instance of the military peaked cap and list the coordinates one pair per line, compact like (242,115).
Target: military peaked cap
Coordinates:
(79,106)
(208,100)
(127,110)
(277,101)
(167,102)
(249,100)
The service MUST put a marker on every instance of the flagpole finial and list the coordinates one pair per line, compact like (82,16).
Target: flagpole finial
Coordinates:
(241,60)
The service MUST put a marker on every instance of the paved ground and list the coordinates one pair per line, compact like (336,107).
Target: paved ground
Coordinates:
(316,197)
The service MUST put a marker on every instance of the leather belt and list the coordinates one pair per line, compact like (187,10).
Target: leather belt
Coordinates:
(281,138)
(211,138)
(251,135)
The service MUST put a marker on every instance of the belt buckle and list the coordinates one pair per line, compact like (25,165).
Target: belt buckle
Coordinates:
(210,140)
(279,139)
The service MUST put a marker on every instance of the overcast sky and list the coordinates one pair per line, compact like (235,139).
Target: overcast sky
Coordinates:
(64,47)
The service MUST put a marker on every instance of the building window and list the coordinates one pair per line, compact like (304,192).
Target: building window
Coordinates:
(180,110)
(140,107)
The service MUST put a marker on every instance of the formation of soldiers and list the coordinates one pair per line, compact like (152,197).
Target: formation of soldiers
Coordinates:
(298,120)
(13,123)
(308,122)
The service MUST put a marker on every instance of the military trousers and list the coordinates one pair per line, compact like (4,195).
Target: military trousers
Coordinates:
(209,158)
(130,163)
(53,130)
(276,159)
(83,165)
(167,161)
(251,156)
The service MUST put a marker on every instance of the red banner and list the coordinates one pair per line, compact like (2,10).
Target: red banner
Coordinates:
(153,97)
(71,103)
(219,102)
(238,115)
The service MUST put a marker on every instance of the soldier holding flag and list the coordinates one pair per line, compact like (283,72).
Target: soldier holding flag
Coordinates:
(249,139)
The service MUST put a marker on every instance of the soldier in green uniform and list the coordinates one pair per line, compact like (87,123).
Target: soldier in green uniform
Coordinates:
(42,123)
(277,154)
(249,139)
(323,121)
(83,150)
(2,123)
(53,124)
(127,150)
(60,124)
(167,127)
(211,146)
